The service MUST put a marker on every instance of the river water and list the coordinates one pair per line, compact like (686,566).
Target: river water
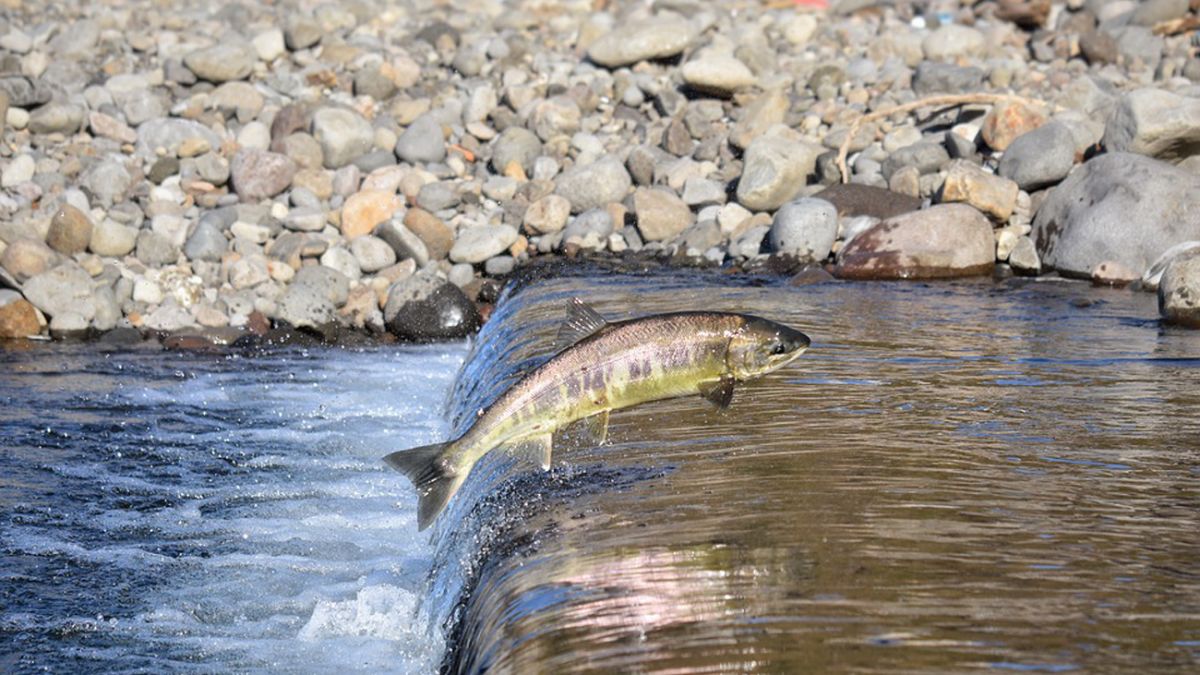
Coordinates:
(956,477)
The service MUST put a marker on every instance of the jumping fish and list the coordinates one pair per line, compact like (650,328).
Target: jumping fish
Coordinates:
(602,367)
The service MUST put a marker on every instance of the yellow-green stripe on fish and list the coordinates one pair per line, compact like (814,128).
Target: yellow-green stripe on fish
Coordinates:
(603,367)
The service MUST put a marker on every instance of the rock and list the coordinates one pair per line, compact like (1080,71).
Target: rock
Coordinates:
(56,117)
(436,235)
(703,192)
(327,281)
(1098,47)
(947,240)
(944,78)
(438,196)
(852,199)
(927,157)
(372,253)
(661,216)
(25,258)
(269,44)
(656,38)
(249,272)
(423,307)
(594,185)
(1117,207)
(555,116)
(301,32)
(968,183)
(365,209)
(258,174)
(422,142)
(112,239)
(764,112)
(480,242)
(951,41)
(1152,12)
(66,288)
(1006,121)
(107,126)
(775,168)
(18,317)
(20,169)
(206,242)
(70,230)
(108,181)
(69,326)
(515,146)
(1155,123)
(547,215)
(1179,291)
(805,228)
(343,261)
(717,74)
(1028,14)
(155,249)
(169,133)
(1024,257)
(1139,48)
(1153,275)
(1040,157)
(221,62)
(23,92)
(1113,273)
(305,305)
(343,134)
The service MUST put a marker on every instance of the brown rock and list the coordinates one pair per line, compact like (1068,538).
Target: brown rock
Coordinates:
(18,319)
(947,240)
(1008,120)
(992,194)
(1028,14)
(70,230)
(366,209)
(258,175)
(25,258)
(852,199)
(436,235)
(660,214)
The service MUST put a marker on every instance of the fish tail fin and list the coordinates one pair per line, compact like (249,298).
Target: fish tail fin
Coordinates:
(434,477)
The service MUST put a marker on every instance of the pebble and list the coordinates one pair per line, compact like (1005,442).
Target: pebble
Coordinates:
(221,62)
(112,239)
(805,228)
(20,169)
(775,168)
(661,216)
(477,243)
(968,183)
(1006,121)
(18,317)
(422,142)
(547,215)
(258,174)
(66,288)
(593,185)
(953,41)
(372,253)
(717,74)
(70,230)
(515,146)
(423,307)
(25,258)
(206,242)
(657,38)
(364,210)
(344,135)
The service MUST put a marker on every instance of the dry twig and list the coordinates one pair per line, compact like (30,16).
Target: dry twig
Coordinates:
(944,101)
(1176,26)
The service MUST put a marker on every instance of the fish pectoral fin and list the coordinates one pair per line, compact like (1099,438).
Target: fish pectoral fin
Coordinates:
(719,392)
(535,448)
(581,322)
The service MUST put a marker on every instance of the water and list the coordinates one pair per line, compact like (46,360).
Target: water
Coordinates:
(171,512)
(957,477)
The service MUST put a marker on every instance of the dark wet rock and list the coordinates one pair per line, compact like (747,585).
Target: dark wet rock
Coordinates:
(1039,158)
(852,199)
(1121,207)
(948,240)
(1179,291)
(424,307)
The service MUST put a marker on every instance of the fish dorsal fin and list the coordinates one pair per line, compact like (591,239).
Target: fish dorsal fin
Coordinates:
(719,392)
(581,322)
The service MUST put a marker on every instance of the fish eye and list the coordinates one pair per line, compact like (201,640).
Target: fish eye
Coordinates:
(779,348)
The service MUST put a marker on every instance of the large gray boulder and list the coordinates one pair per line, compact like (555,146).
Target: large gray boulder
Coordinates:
(1119,207)
(1155,123)
(1179,292)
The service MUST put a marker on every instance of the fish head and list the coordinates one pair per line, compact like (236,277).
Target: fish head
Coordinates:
(761,346)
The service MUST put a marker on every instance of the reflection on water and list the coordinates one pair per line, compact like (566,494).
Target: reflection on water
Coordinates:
(955,477)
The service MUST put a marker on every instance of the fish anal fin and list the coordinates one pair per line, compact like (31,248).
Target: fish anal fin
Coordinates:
(719,392)
(535,448)
(591,430)
(432,474)
(581,322)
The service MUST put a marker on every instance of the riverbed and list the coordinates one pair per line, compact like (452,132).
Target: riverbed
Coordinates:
(957,476)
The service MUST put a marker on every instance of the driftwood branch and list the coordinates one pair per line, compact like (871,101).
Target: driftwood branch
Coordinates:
(944,101)
(1183,24)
